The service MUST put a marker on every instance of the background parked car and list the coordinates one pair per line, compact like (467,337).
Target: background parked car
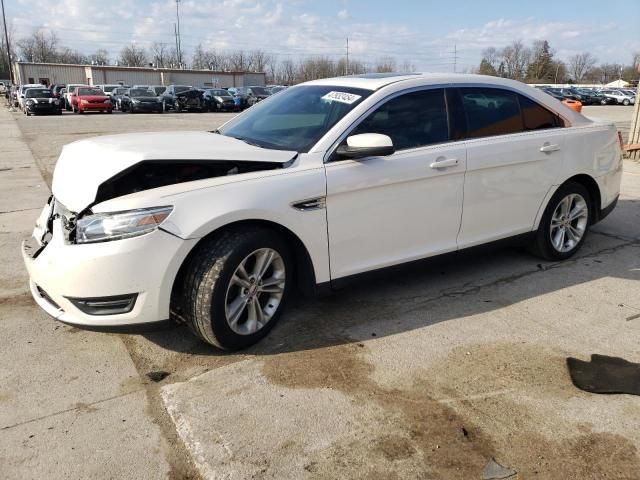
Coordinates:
(217,99)
(116,97)
(68,95)
(91,99)
(182,97)
(40,100)
(23,88)
(158,89)
(110,87)
(620,97)
(140,100)
(256,94)
(55,89)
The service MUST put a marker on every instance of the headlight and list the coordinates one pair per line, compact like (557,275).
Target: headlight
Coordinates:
(107,101)
(56,101)
(103,227)
(84,102)
(30,102)
(134,100)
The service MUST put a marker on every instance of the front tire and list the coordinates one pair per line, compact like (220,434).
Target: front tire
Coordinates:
(236,286)
(565,223)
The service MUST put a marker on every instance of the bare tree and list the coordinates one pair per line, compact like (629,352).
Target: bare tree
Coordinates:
(579,64)
(66,55)
(39,47)
(385,64)
(492,57)
(257,60)
(133,56)
(516,59)
(159,52)
(100,57)
(238,60)
(201,60)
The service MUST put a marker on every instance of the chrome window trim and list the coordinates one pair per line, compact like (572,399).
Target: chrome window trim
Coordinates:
(327,155)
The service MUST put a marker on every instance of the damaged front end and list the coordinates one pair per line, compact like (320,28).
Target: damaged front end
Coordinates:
(150,174)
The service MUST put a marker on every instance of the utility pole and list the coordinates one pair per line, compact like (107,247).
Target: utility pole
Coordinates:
(175,31)
(455,57)
(346,67)
(178,42)
(634,132)
(6,39)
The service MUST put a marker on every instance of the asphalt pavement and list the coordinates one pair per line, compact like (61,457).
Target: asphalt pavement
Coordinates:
(427,373)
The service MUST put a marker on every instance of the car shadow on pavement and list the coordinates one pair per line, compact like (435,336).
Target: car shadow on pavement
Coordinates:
(436,290)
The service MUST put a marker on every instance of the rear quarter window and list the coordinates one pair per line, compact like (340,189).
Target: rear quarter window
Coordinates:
(535,116)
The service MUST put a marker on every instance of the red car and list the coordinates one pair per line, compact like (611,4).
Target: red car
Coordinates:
(91,99)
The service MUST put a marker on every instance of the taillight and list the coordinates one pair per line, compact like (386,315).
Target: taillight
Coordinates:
(620,140)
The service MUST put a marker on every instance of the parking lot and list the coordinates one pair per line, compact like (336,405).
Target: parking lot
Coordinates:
(428,373)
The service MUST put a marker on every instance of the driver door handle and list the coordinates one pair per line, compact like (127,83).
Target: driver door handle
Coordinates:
(444,163)
(547,147)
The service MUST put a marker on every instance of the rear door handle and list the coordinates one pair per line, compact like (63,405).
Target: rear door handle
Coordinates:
(547,147)
(444,162)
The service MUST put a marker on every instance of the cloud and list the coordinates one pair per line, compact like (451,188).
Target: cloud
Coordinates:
(296,28)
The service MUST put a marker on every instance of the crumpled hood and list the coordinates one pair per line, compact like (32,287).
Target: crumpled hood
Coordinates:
(84,165)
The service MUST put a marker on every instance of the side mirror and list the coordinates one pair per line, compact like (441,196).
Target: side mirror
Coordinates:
(366,145)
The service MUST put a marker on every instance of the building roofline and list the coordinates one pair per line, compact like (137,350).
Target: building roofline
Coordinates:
(143,69)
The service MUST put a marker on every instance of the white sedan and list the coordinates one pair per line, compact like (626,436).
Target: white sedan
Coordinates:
(313,187)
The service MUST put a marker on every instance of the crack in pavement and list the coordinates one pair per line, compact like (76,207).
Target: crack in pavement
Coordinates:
(20,210)
(82,407)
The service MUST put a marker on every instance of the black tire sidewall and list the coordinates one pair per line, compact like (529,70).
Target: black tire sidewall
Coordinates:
(544,230)
(226,337)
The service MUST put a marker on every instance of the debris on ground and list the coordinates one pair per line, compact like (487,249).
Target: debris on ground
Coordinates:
(494,471)
(605,374)
(157,376)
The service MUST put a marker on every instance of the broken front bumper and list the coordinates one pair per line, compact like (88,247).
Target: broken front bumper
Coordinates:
(65,276)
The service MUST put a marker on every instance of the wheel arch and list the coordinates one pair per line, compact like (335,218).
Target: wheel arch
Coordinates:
(588,182)
(304,270)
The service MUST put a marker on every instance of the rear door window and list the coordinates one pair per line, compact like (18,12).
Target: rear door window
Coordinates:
(411,120)
(491,111)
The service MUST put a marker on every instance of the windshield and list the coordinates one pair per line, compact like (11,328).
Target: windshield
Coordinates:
(140,92)
(38,94)
(220,93)
(120,91)
(296,118)
(109,89)
(181,89)
(159,90)
(260,91)
(90,91)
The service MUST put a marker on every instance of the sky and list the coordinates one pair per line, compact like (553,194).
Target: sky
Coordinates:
(424,33)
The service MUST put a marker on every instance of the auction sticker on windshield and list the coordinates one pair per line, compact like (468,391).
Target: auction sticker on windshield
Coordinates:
(343,97)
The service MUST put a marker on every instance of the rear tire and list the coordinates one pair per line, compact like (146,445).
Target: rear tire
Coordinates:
(222,299)
(564,224)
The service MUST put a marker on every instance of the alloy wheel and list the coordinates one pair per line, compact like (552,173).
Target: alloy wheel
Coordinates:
(569,222)
(255,291)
